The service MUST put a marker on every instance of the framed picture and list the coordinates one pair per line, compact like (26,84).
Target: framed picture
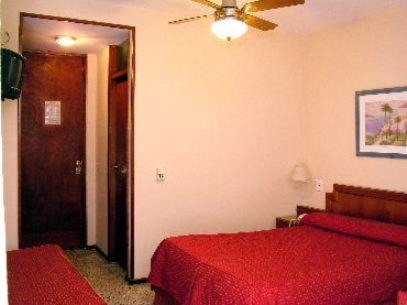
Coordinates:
(381,123)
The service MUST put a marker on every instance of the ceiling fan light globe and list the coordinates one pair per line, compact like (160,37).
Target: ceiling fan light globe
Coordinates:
(229,28)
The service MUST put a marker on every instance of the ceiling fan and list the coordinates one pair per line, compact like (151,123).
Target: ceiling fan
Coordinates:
(232,22)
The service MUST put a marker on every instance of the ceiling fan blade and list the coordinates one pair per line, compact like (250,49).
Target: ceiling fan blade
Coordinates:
(208,3)
(179,21)
(263,5)
(259,23)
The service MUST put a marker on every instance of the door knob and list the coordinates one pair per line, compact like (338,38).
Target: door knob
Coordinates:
(78,167)
(122,169)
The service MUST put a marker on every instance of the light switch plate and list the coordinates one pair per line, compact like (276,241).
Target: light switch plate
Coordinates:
(160,174)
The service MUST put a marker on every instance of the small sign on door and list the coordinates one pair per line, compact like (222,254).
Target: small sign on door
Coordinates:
(52,113)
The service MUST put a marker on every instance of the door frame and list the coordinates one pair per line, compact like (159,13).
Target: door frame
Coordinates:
(130,186)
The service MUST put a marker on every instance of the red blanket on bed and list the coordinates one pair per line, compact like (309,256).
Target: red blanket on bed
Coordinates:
(402,298)
(44,276)
(306,265)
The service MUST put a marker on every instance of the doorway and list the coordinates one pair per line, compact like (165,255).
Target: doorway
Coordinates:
(59,178)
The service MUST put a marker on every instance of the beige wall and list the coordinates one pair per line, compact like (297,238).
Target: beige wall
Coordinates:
(91,149)
(96,147)
(368,54)
(9,135)
(223,120)
(101,147)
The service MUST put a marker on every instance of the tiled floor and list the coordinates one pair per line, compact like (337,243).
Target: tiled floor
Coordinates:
(108,279)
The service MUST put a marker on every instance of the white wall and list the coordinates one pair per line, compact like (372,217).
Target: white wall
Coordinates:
(222,118)
(367,54)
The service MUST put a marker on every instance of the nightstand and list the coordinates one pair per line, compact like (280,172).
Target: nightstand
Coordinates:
(286,221)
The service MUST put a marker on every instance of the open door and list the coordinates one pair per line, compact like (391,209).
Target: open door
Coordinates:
(118,160)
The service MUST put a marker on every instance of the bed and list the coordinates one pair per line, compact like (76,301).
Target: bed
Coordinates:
(44,276)
(402,298)
(356,254)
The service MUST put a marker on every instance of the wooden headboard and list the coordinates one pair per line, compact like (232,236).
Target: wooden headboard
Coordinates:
(381,205)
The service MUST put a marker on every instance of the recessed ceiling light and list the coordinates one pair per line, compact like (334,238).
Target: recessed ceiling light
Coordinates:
(65,41)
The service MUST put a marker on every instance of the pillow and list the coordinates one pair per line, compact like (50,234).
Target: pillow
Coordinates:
(365,228)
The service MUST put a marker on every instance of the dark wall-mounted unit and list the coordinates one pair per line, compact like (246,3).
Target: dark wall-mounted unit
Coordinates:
(12,74)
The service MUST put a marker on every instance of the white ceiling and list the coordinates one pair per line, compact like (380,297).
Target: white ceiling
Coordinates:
(313,16)
(39,34)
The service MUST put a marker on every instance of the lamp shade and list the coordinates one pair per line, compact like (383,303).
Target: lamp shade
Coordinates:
(229,28)
(300,174)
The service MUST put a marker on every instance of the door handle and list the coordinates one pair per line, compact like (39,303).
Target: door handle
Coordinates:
(78,167)
(122,169)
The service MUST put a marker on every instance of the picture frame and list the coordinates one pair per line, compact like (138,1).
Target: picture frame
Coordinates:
(381,123)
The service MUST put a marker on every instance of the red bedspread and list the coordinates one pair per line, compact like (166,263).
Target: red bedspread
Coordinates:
(402,298)
(44,276)
(304,265)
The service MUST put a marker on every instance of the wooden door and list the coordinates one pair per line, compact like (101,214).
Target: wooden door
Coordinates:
(118,169)
(52,151)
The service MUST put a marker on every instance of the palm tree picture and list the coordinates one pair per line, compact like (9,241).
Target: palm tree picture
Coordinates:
(383,114)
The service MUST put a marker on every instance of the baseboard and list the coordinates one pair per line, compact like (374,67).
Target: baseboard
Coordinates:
(96,248)
(139,281)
